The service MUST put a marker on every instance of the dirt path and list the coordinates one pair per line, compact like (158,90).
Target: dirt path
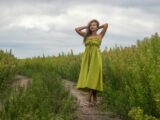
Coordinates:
(18,81)
(85,112)
(21,81)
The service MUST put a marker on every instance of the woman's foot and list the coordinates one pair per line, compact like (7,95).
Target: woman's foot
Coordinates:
(91,104)
(87,104)
(89,97)
(94,103)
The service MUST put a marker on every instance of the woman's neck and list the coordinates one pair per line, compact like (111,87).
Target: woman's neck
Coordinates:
(94,33)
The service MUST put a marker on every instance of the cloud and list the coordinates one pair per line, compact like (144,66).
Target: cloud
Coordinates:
(48,26)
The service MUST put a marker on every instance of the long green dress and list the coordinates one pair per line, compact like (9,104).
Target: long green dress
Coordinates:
(90,76)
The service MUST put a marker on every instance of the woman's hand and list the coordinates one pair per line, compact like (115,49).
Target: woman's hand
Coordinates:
(105,27)
(79,30)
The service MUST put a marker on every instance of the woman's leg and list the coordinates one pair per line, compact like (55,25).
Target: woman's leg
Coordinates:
(90,95)
(94,96)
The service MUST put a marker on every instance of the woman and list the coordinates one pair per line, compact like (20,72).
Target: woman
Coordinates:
(90,76)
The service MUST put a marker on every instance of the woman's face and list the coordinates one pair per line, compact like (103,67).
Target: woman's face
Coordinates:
(93,26)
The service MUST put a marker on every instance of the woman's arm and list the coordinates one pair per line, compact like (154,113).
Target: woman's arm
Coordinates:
(105,27)
(79,30)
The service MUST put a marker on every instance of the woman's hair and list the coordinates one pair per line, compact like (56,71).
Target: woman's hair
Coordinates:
(88,31)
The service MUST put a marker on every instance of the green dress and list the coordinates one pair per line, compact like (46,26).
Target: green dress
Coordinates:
(90,76)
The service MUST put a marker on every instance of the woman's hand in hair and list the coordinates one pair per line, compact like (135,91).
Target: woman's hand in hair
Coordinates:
(79,30)
(105,27)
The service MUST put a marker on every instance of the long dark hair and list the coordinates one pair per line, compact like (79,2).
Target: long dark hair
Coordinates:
(88,31)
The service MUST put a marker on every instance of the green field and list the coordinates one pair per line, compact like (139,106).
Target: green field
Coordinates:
(131,83)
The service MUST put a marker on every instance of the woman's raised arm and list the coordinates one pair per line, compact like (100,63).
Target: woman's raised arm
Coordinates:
(79,30)
(105,27)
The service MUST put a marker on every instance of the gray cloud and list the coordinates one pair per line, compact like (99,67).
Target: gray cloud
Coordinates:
(37,27)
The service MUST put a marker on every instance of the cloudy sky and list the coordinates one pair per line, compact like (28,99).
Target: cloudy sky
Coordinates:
(36,27)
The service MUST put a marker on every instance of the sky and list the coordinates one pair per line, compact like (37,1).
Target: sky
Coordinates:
(36,27)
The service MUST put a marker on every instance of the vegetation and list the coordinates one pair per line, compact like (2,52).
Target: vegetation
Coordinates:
(44,99)
(132,77)
(8,64)
(131,83)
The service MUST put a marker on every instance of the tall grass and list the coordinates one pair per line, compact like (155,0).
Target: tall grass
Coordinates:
(44,99)
(132,77)
(131,83)
(8,64)
(66,65)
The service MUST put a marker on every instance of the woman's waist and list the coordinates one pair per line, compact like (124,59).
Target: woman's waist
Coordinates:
(92,44)
(89,48)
